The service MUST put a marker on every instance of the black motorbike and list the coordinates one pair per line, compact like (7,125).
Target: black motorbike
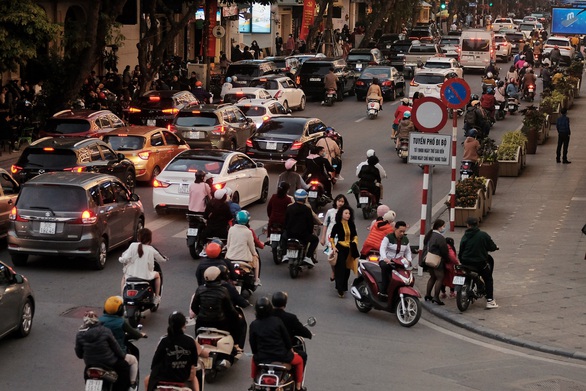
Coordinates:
(100,379)
(195,232)
(467,169)
(296,257)
(139,296)
(275,234)
(316,195)
(500,111)
(368,203)
(469,285)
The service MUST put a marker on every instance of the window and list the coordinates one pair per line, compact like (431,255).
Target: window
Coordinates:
(120,192)
(94,153)
(108,154)
(103,122)
(239,116)
(236,164)
(95,195)
(171,139)
(61,198)
(476,45)
(107,192)
(229,116)
(157,140)
(200,119)
(8,185)
(253,111)
(247,163)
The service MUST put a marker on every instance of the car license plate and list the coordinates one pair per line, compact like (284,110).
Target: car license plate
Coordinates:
(272,145)
(47,228)
(312,194)
(192,231)
(359,66)
(314,79)
(207,362)
(184,188)
(93,384)
(458,280)
(195,135)
(275,237)
(292,254)
(151,122)
(364,200)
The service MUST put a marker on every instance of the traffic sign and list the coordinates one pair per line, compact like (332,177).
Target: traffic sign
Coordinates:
(455,93)
(431,149)
(429,114)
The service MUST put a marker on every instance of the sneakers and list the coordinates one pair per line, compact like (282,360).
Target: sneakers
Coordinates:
(491,304)
(340,178)
(133,387)
(157,300)
(383,296)
(323,102)
(257,282)
(203,254)
(308,261)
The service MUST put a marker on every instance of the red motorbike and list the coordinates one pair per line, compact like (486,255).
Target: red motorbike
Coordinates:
(403,298)
(368,203)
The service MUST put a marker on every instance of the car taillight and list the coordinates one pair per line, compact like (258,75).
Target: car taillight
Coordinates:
(88,217)
(219,129)
(14,216)
(359,83)
(172,128)
(144,155)
(249,143)
(160,184)
(131,292)
(218,186)
(208,341)
(14,169)
(296,145)
(278,94)
(170,111)
(134,110)
(387,83)
(413,84)
(75,169)
(298,80)
(266,118)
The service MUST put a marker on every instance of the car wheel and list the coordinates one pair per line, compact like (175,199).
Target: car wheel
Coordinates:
(302,104)
(286,105)
(264,192)
(139,226)
(233,145)
(26,319)
(236,198)
(352,92)
(156,172)
(130,180)
(99,260)
(340,94)
(19,259)
(161,211)
(394,94)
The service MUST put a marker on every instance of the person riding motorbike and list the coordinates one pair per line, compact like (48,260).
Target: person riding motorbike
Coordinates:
(529,80)
(218,216)
(292,178)
(332,150)
(488,82)
(492,69)
(330,83)
(512,91)
(500,94)
(201,94)
(317,167)
(555,56)
(474,118)
(406,126)
(270,342)
(375,93)
(226,87)
(299,223)
(240,244)
(471,149)
(277,207)
(234,206)
(488,102)
(394,245)
(213,250)
(369,177)
(546,77)
(383,226)
(521,63)
(199,193)
(401,109)
(292,324)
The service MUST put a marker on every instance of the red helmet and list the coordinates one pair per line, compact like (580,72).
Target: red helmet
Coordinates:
(198,83)
(213,250)
(101,95)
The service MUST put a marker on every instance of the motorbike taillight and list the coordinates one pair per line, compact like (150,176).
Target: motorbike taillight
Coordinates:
(131,292)
(268,381)
(208,341)
(94,373)
(373,258)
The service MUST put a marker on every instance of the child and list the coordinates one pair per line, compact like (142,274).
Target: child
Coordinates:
(450,270)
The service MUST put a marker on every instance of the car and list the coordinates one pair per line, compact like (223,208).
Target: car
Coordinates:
(502,23)
(312,73)
(527,28)
(517,22)
(444,63)
(72,154)
(246,70)
(428,82)
(8,194)
(70,214)
(361,58)
(287,65)
(391,81)
(397,53)
(450,46)
(260,110)
(385,42)
(221,126)
(248,179)
(305,56)
(283,89)
(515,39)
(81,123)
(426,33)
(149,148)
(527,19)
(504,49)
(158,108)
(235,94)
(282,138)
(17,302)
(564,44)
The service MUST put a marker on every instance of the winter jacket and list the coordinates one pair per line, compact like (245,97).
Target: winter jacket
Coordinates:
(270,341)
(212,303)
(298,221)
(474,247)
(97,346)
(377,233)
(277,208)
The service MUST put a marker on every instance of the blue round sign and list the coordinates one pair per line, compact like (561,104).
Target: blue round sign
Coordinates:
(455,93)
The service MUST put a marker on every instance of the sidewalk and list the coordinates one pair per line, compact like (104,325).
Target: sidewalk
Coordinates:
(540,273)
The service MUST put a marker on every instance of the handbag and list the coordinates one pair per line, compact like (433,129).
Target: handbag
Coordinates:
(333,257)
(432,260)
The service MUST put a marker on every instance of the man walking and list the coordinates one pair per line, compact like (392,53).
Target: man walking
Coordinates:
(563,127)
(278,44)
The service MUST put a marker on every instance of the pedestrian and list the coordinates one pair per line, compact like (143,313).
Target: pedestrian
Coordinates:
(450,271)
(278,44)
(329,221)
(224,63)
(474,248)
(563,127)
(344,242)
(290,45)
(255,49)
(435,243)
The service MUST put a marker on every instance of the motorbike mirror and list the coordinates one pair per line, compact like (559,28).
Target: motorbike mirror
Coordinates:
(311,321)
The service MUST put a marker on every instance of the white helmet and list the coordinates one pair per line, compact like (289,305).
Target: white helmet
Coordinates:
(370,153)
(489,75)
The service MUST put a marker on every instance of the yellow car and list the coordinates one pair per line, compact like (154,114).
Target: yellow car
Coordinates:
(150,148)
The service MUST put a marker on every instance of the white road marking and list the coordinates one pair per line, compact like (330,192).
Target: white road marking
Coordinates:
(360,120)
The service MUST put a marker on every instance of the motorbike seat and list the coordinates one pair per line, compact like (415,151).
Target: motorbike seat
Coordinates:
(102,372)
(467,268)
(375,270)
(137,280)
(209,330)
(283,366)
(242,265)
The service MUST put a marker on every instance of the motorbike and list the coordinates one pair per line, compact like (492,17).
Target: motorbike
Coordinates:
(175,386)
(245,279)
(403,298)
(100,379)
(459,113)
(512,105)
(330,97)
(274,233)
(139,296)
(500,111)
(221,347)
(403,150)
(469,286)
(316,195)
(368,203)
(195,231)
(372,108)
(467,169)
(277,375)
(295,256)
(529,93)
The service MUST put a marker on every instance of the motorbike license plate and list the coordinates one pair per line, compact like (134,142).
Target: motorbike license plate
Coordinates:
(364,200)
(530,89)
(272,145)
(511,107)
(458,280)
(47,228)
(93,384)
(192,231)
(151,122)
(207,362)
(312,194)
(292,254)
(184,188)
(314,79)
(275,237)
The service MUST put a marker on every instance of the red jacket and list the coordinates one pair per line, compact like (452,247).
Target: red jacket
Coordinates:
(379,230)
(401,109)
(276,209)
(487,101)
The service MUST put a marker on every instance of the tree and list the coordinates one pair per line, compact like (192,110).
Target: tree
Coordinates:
(24,28)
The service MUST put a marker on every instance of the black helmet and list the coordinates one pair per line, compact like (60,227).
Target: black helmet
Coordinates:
(472,133)
(263,307)
(474,97)
(451,75)
(224,275)
(279,299)
(501,83)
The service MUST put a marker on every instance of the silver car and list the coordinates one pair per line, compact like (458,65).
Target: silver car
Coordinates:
(17,303)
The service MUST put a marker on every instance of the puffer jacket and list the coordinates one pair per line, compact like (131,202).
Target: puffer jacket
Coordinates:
(212,303)
(97,346)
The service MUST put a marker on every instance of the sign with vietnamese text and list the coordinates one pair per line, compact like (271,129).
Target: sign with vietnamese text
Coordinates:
(430,148)
(308,16)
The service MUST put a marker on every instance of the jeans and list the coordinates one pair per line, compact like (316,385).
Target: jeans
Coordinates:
(486,274)
(563,142)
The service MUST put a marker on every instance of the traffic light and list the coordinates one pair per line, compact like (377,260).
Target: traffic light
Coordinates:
(443,5)
(490,4)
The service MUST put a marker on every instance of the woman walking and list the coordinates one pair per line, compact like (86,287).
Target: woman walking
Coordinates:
(344,241)
(329,222)
(435,243)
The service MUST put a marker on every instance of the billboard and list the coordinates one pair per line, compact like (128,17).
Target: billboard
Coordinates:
(261,18)
(569,21)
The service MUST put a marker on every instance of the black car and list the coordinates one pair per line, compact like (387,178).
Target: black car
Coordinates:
(358,59)
(385,42)
(158,108)
(391,81)
(73,154)
(242,72)
(397,51)
(282,138)
(312,73)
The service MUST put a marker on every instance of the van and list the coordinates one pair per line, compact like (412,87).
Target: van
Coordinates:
(477,49)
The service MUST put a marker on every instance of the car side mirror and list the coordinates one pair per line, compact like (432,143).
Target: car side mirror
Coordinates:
(259,165)
(121,156)
(134,197)
(289,111)
(18,278)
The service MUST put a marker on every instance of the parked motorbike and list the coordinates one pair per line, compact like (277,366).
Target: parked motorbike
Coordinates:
(330,97)
(221,347)
(372,108)
(139,296)
(245,278)
(403,298)
(368,203)
(529,93)
(295,257)
(403,150)
(316,195)
(469,286)
(512,105)
(467,169)
(195,232)
(277,375)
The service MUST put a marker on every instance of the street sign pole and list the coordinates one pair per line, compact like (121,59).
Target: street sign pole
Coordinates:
(453,184)
(424,198)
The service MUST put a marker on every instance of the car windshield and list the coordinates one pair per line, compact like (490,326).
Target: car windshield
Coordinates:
(266,84)
(422,49)
(60,126)
(185,164)
(125,143)
(429,79)
(400,47)
(514,37)
(315,69)
(56,159)
(155,102)
(557,42)
(196,119)
(476,45)
(253,111)
(440,65)
(381,73)
(53,197)
(450,41)
(364,57)
(502,21)
(273,127)
(233,98)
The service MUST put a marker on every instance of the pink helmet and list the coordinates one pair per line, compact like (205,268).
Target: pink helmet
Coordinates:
(381,210)
(290,163)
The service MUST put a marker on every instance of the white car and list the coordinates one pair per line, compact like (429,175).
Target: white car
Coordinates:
(503,47)
(444,63)
(248,179)
(283,89)
(236,94)
(502,23)
(261,110)
(428,82)
(450,46)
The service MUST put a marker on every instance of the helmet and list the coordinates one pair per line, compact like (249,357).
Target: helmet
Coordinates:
(522,57)
(279,299)
(263,307)
(113,305)
(389,216)
(491,62)
(405,101)
(213,250)
(211,274)
(370,153)
(300,195)
(489,75)
(451,75)
(475,102)
(381,210)
(501,83)
(198,83)
(234,78)
(472,133)
(242,217)
(229,191)
(330,132)
(224,274)
(526,65)
(407,114)
(474,97)
(489,90)
(290,164)
(228,79)
(219,194)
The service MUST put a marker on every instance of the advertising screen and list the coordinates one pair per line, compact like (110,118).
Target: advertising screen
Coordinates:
(244,19)
(261,18)
(568,21)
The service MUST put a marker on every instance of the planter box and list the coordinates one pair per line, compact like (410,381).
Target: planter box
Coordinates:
(462,214)
(532,136)
(511,167)
(490,171)
(543,134)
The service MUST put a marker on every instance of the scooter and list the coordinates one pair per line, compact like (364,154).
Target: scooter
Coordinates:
(274,233)
(316,195)
(468,285)
(296,257)
(368,203)
(221,347)
(245,279)
(529,93)
(195,231)
(512,105)
(139,296)
(500,111)
(277,375)
(100,379)
(467,169)
(403,298)
(330,97)
(403,150)
(372,108)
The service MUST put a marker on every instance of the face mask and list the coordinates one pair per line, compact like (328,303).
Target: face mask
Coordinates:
(442,230)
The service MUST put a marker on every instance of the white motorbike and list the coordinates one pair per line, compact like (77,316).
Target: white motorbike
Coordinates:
(221,347)
(372,108)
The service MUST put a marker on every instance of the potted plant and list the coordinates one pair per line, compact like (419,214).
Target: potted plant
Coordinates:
(551,103)
(510,153)
(566,88)
(576,69)
(488,164)
(470,196)
(533,123)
